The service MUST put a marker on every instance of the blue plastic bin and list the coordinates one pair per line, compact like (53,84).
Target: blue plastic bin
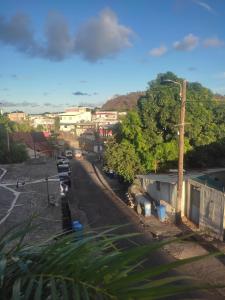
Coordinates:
(77,227)
(161,210)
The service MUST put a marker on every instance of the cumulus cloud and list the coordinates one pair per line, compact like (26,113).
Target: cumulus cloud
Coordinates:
(213,42)
(188,43)
(102,37)
(18,32)
(158,51)
(97,38)
(59,42)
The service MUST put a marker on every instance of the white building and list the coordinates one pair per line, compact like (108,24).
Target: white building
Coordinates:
(105,117)
(48,123)
(73,116)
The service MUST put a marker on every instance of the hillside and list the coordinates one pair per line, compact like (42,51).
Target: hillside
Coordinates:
(123,102)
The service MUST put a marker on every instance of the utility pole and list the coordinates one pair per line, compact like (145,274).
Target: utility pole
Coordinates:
(48,198)
(181,152)
(7,138)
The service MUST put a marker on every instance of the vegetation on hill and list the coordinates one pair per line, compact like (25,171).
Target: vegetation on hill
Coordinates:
(147,139)
(123,102)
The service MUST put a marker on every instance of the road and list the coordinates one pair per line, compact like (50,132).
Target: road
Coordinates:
(93,204)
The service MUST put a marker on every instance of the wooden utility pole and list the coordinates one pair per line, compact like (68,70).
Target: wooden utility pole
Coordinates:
(181,152)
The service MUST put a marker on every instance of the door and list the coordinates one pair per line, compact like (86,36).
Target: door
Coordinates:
(194,204)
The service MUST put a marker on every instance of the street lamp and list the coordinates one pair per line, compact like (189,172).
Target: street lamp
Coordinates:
(181,147)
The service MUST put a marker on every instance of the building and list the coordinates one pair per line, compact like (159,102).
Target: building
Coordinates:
(17,116)
(86,130)
(203,198)
(47,123)
(104,118)
(73,116)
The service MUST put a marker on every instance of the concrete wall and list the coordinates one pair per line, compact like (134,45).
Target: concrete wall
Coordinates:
(211,214)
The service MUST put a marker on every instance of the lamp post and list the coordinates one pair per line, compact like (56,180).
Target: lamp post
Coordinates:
(181,147)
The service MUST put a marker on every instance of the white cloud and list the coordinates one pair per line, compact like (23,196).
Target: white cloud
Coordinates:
(213,42)
(102,36)
(204,5)
(188,43)
(158,51)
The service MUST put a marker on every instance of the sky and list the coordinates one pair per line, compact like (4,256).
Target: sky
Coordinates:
(57,53)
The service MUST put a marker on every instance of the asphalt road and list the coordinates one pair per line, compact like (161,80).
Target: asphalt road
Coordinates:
(95,206)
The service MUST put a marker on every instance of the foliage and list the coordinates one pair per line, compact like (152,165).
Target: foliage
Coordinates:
(122,158)
(10,152)
(152,130)
(89,267)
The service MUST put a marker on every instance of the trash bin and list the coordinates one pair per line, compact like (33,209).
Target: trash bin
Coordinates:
(161,211)
(77,227)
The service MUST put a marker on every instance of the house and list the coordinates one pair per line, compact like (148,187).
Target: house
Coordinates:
(17,116)
(103,118)
(47,123)
(72,116)
(203,198)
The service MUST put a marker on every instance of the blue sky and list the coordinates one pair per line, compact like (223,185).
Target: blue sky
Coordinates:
(57,53)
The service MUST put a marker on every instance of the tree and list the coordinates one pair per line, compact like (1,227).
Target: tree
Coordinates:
(122,158)
(152,129)
(17,152)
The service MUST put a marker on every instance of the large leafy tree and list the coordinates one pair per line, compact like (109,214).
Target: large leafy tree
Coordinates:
(153,128)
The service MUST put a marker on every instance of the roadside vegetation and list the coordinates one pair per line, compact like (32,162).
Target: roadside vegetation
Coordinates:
(11,152)
(147,139)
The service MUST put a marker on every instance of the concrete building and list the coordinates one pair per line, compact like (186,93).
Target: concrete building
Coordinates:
(73,116)
(17,116)
(103,118)
(48,123)
(203,198)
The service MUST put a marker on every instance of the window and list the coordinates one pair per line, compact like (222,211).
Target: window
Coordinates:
(158,185)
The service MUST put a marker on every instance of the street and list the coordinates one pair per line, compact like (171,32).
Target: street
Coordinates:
(95,206)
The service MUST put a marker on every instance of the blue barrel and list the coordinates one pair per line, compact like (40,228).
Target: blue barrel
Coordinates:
(161,210)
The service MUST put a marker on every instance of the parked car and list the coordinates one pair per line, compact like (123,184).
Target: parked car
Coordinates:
(64,178)
(62,160)
(64,168)
(69,154)
(63,188)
